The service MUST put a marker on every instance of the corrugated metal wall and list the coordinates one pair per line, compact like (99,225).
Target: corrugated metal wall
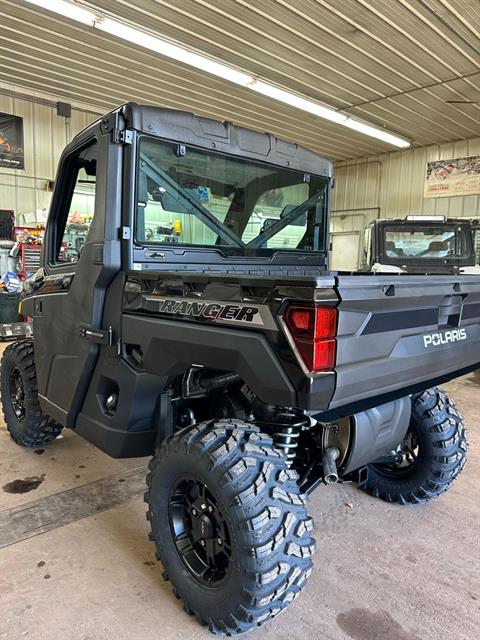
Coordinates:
(391,185)
(45,135)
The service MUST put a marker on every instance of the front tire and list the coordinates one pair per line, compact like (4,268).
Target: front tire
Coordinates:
(432,455)
(229,524)
(26,423)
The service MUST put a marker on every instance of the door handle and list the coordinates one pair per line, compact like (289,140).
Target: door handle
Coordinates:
(98,336)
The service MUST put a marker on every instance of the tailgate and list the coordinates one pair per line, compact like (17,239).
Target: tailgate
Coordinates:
(394,332)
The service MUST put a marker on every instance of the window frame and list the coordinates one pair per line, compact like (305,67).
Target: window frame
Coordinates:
(462,260)
(60,207)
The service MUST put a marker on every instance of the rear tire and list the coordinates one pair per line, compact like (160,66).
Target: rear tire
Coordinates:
(26,423)
(229,524)
(438,431)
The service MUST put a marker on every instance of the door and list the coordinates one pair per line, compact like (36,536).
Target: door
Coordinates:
(80,258)
(344,256)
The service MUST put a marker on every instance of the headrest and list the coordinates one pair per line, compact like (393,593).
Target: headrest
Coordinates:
(438,245)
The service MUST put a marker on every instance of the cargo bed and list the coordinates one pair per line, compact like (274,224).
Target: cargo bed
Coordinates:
(400,331)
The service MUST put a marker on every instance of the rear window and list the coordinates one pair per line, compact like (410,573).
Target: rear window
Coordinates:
(191,197)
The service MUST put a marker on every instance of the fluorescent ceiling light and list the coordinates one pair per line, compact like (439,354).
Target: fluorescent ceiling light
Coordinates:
(296,101)
(135,36)
(67,9)
(375,132)
(204,63)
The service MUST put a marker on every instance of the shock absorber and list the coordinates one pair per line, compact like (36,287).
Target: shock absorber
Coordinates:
(284,424)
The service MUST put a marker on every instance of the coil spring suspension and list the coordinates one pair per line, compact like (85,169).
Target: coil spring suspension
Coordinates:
(284,425)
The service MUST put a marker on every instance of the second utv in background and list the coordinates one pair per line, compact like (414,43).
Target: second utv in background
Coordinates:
(420,245)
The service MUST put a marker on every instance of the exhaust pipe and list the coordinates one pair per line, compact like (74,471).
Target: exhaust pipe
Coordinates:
(330,474)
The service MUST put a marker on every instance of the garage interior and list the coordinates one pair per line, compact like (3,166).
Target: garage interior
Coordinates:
(75,559)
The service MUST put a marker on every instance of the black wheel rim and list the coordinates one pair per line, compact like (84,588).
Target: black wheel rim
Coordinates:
(200,531)
(17,393)
(406,458)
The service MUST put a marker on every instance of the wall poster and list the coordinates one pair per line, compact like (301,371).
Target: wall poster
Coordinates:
(11,142)
(456,177)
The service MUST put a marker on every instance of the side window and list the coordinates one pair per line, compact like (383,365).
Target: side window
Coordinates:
(75,218)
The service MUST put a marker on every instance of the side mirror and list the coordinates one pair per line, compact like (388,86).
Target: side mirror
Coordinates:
(171,204)
(299,221)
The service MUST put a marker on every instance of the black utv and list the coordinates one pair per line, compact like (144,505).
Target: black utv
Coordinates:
(422,245)
(198,323)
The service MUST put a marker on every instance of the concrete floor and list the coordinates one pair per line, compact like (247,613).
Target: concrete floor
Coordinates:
(76,564)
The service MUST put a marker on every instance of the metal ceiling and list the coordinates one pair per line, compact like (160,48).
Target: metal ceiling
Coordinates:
(411,66)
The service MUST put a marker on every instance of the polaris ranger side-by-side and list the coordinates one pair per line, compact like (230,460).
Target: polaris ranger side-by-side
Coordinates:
(199,324)
(421,244)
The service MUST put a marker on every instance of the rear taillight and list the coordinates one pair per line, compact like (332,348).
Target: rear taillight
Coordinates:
(313,332)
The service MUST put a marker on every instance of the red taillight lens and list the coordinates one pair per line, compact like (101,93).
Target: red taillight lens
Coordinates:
(313,332)
(324,355)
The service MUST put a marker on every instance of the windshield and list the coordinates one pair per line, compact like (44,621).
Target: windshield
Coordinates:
(425,242)
(194,197)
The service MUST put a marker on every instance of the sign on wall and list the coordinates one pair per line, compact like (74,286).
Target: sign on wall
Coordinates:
(11,142)
(456,177)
